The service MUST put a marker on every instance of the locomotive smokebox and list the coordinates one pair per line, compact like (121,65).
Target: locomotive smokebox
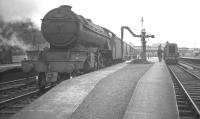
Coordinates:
(60,26)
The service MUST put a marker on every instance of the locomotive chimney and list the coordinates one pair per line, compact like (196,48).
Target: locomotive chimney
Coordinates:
(68,7)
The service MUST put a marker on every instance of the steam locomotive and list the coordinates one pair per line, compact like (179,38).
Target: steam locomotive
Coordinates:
(77,46)
(171,53)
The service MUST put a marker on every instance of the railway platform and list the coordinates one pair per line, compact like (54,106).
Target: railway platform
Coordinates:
(94,94)
(6,67)
(126,90)
(154,96)
(10,72)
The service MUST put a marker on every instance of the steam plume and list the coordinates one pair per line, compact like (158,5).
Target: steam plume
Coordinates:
(14,41)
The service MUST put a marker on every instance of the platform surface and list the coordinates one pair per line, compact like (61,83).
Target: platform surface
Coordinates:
(102,94)
(6,67)
(111,96)
(154,96)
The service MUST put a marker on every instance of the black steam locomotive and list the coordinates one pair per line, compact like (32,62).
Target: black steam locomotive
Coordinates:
(76,46)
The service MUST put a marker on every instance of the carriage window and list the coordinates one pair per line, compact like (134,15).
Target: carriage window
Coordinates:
(171,49)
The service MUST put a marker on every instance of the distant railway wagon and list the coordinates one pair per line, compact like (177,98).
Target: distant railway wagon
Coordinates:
(128,51)
(171,53)
(77,46)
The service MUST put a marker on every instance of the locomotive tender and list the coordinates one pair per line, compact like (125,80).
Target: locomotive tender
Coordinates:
(76,46)
(171,53)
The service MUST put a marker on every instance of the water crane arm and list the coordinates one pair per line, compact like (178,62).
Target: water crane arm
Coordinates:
(151,36)
(142,36)
(127,28)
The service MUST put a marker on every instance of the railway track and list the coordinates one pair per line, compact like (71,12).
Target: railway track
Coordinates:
(187,89)
(194,68)
(18,81)
(17,94)
(11,106)
(190,64)
(14,88)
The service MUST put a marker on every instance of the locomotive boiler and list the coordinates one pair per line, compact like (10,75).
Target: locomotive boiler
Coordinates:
(61,27)
(76,46)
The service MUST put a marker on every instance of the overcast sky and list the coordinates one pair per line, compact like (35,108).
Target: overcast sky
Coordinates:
(175,21)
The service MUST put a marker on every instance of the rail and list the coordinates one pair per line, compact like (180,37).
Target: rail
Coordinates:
(18,80)
(15,99)
(186,93)
(193,62)
(18,97)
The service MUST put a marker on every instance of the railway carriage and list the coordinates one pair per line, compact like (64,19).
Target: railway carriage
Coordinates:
(127,51)
(77,46)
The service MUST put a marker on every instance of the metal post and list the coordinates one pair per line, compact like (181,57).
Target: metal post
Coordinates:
(142,36)
(143,42)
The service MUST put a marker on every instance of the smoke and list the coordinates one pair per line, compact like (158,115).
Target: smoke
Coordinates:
(12,10)
(14,41)
(17,9)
